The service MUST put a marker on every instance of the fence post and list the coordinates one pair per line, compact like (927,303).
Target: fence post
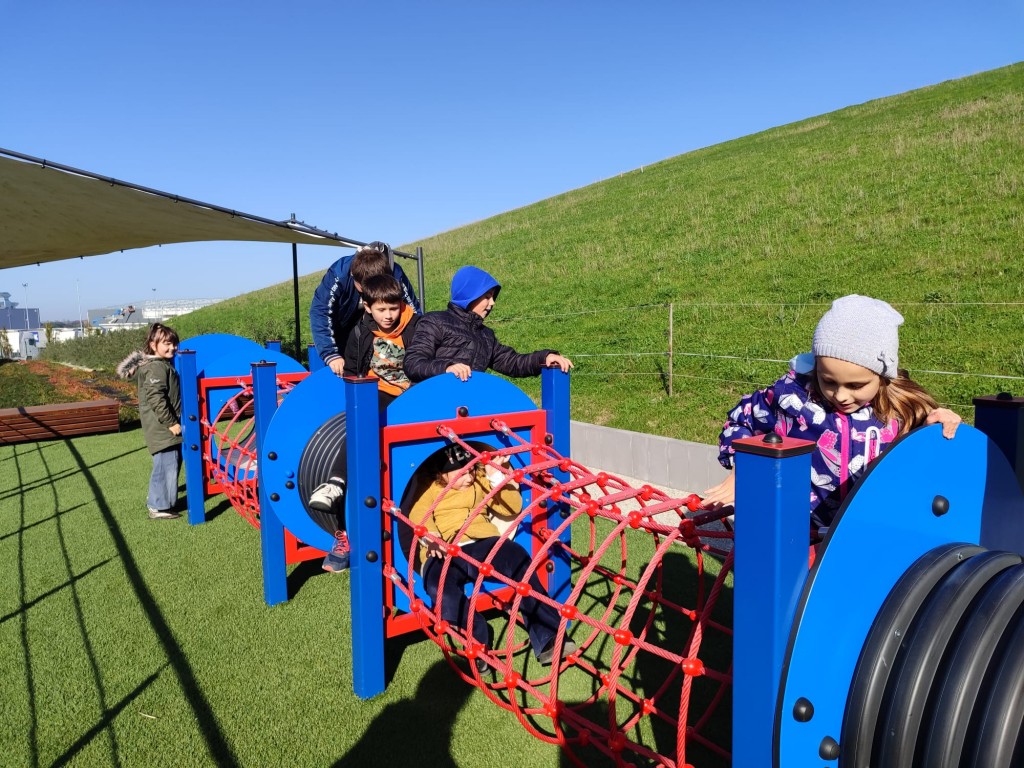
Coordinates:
(671,325)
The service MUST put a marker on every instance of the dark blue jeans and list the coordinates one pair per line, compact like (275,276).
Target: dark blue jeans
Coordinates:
(511,561)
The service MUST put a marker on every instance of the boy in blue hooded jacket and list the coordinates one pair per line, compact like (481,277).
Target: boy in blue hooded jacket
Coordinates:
(456,340)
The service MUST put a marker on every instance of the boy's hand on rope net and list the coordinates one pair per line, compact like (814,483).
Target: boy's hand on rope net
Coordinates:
(947,418)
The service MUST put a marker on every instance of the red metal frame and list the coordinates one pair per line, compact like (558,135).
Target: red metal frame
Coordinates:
(294,550)
(211,487)
(467,428)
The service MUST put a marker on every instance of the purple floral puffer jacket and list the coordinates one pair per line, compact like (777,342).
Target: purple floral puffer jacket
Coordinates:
(846,443)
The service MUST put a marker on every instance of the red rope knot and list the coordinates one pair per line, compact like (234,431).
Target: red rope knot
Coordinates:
(545,533)
(692,502)
(453,550)
(617,742)
(689,531)
(635,519)
(523,588)
(388,506)
(486,569)
(646,492)
(553,709)
(693,667)
(512,681)
(569,612)
(592,508)
(564,465)
(445,431)
(441,628)
(623,636)
(518,475)
(485,457)
(500,426)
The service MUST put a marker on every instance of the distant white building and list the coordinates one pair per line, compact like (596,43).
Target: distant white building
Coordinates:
(142,313)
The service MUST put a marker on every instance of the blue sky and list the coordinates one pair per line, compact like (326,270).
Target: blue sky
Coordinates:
(398,120)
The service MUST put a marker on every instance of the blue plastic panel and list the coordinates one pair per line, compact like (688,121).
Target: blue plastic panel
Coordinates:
(317,398)
(885,526)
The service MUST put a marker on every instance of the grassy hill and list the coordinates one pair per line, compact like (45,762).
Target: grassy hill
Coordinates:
(916,199)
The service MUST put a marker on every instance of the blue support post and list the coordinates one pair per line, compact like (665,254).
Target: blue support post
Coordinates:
(315,361)
(554,389)
(363,523)
(275,574)
(191,436)
(772,540)
(1001,418)
(274,345)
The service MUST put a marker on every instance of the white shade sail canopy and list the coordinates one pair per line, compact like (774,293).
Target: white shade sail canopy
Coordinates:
(50,212)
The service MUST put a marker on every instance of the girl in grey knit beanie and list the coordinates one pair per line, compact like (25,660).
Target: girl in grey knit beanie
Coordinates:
(849,397)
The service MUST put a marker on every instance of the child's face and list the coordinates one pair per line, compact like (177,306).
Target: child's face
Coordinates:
(462,483)
(848,387)
(164,347)
(483,305)
(386,315)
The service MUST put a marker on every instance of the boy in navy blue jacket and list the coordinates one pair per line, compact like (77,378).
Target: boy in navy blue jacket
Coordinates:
(336,307)
(456,340)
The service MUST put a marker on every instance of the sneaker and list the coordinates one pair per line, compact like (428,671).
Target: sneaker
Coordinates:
(327,495)
(546,656)
(484,669)
(337,559)
(162,514)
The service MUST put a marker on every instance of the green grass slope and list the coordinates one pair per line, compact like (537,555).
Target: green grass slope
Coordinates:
(915,199)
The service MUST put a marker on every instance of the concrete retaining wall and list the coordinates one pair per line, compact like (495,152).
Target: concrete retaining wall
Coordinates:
(679,464)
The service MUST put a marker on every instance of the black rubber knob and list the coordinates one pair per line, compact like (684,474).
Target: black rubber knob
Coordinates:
(940,506)
(828,749)
(803,710)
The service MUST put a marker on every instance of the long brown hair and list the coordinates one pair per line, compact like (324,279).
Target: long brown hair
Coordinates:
(905,400)
(901,398)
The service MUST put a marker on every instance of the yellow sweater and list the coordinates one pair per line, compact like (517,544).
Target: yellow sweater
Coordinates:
(451,513)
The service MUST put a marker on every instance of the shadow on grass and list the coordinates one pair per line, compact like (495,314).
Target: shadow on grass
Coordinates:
(218,509)
(302,573)
(49,481)
(659,679)
(710,706)
(220,751)
(435,706)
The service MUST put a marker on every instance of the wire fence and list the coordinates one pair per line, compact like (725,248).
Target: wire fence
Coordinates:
(582,347)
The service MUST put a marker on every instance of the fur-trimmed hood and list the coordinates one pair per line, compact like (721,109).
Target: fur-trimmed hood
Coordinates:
(127,368)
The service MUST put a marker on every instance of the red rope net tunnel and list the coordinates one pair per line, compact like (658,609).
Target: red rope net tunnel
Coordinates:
(647,612)
(229,450)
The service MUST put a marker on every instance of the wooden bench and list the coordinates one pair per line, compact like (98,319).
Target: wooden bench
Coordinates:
(50,422)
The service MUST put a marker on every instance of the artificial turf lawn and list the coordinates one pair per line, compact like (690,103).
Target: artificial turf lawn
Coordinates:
(126,641)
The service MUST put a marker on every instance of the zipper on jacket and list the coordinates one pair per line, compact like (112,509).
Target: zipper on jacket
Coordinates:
(844,454)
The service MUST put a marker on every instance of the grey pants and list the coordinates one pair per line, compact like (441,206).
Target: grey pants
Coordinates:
(163,483)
